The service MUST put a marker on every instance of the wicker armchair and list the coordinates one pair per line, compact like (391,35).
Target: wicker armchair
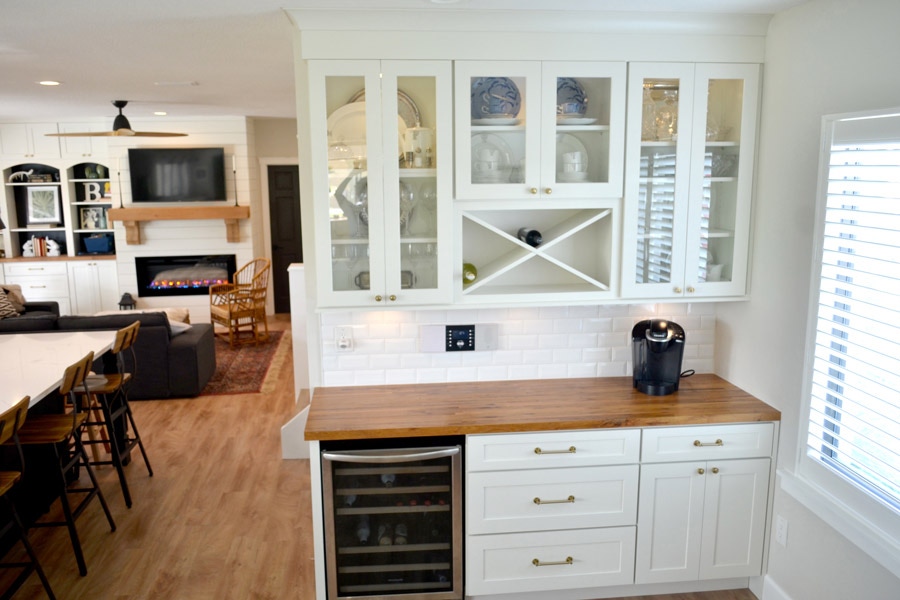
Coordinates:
(240,306)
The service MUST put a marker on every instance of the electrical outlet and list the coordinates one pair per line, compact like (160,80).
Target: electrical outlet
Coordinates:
(781,530)
(343,339)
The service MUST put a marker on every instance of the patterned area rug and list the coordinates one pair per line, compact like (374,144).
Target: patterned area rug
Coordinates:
(245,369)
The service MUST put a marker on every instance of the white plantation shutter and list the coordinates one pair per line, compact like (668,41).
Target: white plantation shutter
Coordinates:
(854,410)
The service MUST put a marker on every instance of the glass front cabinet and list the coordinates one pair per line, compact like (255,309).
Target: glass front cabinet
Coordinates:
(539,176)
(382,170)
(689,168)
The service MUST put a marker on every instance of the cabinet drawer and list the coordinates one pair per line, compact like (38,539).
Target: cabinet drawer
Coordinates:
(553,449)
(15,269)
(546,499)
(665,444)
(50,287)
(498,564)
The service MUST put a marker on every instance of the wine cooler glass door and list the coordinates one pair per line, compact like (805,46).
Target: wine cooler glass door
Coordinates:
(393,523)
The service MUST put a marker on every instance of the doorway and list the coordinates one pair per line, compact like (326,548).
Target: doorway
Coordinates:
(284,230)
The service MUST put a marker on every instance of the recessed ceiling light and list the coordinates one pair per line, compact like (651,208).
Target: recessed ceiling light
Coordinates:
(48,82)
(176,83)
(160,113)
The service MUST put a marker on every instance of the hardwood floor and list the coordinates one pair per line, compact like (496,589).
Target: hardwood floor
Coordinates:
(223,517)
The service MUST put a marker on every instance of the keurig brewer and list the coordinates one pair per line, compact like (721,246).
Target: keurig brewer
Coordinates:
(657,347)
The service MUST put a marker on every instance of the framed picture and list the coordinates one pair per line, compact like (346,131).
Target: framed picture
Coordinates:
(43,205)
(93,217)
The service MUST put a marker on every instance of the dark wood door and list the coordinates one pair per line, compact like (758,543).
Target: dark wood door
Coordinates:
(284,226)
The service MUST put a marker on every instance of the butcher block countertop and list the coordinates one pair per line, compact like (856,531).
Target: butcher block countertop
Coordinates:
(435,409)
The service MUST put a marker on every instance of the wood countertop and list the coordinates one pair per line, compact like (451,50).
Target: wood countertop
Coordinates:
(417,410)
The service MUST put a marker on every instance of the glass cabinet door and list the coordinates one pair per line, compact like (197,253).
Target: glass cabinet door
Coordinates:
(722,145)
(345,127)
(498,129)
(583,129)
(381,164)
(418,184)
(658,174)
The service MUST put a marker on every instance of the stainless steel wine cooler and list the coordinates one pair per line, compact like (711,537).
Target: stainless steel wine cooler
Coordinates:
(393,523)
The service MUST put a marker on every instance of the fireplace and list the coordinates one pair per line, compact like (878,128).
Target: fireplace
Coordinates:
(182,275)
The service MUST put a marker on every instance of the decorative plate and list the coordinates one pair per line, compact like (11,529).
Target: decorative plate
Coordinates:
(490,159)
(566,146)
(570,98)
(347,132)
(564,120)
(499,120)
(406,107)
(493,96)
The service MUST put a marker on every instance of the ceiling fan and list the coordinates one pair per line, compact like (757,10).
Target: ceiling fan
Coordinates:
(121,127)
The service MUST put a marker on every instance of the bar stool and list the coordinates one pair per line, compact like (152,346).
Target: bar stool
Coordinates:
(63,432)
(10,422)
(109,393)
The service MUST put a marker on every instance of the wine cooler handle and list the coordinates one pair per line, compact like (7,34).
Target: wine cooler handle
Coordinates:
(359,457)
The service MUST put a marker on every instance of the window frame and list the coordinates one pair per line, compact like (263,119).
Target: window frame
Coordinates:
(869,523)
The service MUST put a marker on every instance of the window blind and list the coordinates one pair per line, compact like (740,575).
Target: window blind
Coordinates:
(854,415)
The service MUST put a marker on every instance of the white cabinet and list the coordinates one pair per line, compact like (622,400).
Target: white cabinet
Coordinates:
(28,140)
(531,167)
(703,518)
(512,143)
(93,286)
(382,169)
(550,511)
(689,169)
(40,281)
(83,147)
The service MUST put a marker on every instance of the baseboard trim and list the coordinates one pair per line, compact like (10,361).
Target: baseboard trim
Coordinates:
(772,591)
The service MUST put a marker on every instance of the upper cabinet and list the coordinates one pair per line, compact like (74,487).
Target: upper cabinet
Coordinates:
(539,129)
(28,140)
(83,147)
(689,168)
(382,169)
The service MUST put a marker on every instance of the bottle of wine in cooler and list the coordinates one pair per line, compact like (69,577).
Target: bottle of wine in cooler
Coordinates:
(530,236)
(469,273)
(362,529)
(388,479)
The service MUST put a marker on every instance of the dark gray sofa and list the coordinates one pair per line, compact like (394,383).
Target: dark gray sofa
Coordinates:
(168,366)
(38,316)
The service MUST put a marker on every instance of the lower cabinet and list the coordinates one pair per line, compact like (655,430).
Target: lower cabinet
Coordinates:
(93,286)
(41,281)
(572,510)
(551,511)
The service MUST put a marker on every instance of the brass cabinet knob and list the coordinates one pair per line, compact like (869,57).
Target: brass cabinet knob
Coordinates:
(378,298)
(548,191)
(715,470)
(701,471)
(534,191)
(392,297)
(677,290)
(690,289)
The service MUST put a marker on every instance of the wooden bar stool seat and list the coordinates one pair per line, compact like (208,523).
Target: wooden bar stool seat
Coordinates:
(10,423)
(62,433)
(106,400)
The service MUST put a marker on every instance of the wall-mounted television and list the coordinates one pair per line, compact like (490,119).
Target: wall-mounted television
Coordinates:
(177,174)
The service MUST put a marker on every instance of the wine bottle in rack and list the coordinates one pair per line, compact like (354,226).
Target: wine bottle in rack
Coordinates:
(362,529)
(388,479)
(469,273)
(530,236)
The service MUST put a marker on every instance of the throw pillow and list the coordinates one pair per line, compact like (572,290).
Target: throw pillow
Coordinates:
(6,307)
(14,293)
(178,327)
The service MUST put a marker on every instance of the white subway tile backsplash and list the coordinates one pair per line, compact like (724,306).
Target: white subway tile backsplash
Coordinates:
(536,342)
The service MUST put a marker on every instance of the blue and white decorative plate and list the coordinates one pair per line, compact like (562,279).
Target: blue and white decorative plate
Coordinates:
(570,98)
(495,97)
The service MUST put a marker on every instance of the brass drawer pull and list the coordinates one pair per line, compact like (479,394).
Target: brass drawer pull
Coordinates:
(571,450)
(698,443)
(568,500)
(569,560)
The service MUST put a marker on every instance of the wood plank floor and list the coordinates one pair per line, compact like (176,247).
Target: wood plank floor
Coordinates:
(223,517)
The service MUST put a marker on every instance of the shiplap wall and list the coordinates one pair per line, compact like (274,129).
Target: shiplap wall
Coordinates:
(169,238)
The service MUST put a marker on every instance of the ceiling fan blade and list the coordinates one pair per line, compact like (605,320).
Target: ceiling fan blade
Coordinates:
(116,133)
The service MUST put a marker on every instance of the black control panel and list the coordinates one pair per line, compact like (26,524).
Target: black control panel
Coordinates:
(460,337)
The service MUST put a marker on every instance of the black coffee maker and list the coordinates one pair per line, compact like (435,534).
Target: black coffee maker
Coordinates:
(657,347)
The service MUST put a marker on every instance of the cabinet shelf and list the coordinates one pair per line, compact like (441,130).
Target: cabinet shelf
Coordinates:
(31,183)
(392,548)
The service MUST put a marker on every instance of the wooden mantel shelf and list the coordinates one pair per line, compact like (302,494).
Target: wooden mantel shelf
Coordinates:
(132,217)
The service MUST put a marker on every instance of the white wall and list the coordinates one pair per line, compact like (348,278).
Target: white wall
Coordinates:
(823,57)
